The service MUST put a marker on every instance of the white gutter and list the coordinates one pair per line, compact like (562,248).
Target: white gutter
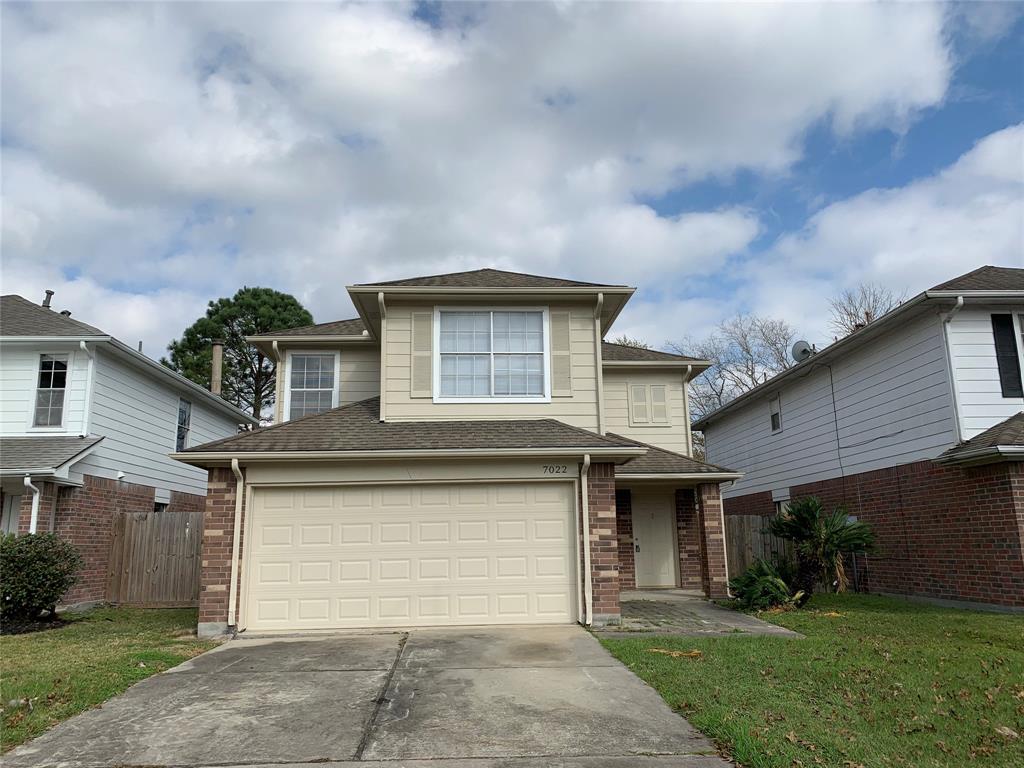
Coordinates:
(588,579)
(89,374)
(599,373)
(204,457)
(34,520)
(674,476)
(383,354)
(235,542)
(686,411)
(982,454)
(954,389)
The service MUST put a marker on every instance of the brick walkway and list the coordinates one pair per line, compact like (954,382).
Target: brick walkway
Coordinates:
(675,612)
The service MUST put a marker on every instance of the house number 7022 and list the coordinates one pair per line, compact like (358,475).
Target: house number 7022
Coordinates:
(555,469)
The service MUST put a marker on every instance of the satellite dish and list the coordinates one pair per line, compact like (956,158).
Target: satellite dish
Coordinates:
(801,351)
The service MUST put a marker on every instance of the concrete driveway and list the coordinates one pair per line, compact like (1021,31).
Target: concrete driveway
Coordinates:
(452,698)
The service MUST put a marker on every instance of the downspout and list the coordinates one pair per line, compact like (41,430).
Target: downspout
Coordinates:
(235,542)
(383,355)
(598,363)
(279,383)
(686,411)
(588,581)
(90,372)
(954,390)
(34,520)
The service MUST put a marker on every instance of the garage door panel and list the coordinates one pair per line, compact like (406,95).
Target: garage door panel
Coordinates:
(411,555)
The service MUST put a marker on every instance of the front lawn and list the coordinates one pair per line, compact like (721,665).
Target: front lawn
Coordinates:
(98,655)
(876,682)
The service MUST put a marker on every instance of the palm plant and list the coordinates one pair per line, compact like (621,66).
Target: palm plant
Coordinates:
(821,540)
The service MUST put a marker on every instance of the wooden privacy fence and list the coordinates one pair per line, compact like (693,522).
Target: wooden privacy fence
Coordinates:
(155,558)
(747,538)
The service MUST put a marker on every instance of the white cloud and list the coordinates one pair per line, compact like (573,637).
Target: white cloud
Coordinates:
(163,153)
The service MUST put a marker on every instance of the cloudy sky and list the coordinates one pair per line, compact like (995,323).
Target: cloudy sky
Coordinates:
(722,158)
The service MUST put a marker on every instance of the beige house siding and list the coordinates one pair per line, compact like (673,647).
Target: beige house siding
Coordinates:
(671,437)
(579,409)
(359,378)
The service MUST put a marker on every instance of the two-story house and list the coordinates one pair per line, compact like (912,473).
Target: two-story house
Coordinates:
(467,451)
(914,423)
(86,426)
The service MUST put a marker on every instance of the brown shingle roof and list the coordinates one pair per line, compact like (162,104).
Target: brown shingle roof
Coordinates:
(41,452)
(353,327)
(986,278)
(625,353)
(357,427)
(1009,433)
(21,317)
(658,461)
(489,278)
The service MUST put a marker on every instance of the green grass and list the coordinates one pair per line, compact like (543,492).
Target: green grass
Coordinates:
(98,655)
(876,682)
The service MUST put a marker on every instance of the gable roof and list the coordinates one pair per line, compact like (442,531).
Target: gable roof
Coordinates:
(352,327)
(21,317)
(658,461)
(611,352)
(978,286)
(487,278)
(356,428)
(987,278)
(42,453)
(999,441)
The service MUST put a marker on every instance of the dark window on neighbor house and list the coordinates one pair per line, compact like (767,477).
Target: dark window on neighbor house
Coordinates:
(53,381)
(1007,357)
(184,424)
(159,506)
(775,410)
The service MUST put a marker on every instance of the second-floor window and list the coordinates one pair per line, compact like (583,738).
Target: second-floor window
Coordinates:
(492,354)
(311,384)
(775,413)
(1007,356)
(52,384)
(184,424)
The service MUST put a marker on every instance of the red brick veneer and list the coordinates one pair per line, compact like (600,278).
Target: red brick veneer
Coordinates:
(604,544)
(714,577)
(942,531)
(218,533)
(688,536)
(624,530)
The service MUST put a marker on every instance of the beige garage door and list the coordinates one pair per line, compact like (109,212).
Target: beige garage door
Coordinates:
(410,555)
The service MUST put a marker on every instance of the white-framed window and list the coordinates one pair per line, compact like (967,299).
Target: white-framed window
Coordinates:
(484,355)
(775,413)
(312,383)
(648,405)
(184,424)
(50,390)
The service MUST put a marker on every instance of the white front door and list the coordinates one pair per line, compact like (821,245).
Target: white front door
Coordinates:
(654,538)
(324,557)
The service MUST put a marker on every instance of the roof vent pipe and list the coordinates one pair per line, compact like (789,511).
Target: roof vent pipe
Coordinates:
(66,312)
(46,301)
(216,365)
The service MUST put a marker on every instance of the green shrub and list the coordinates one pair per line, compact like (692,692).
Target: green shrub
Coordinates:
(35,570)
(761,586)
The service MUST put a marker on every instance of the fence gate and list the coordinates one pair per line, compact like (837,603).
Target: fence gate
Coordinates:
(155,558)
(747,538)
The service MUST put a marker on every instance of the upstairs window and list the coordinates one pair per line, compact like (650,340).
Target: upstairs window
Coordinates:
(775,413)
(492,355)
(1007,356)
(52,384)
(311,384)
(184,424)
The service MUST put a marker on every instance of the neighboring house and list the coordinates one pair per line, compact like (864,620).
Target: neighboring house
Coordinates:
(86,426)
(467,451)
(914,423)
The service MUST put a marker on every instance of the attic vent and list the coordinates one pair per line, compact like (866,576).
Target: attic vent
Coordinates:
(66,312)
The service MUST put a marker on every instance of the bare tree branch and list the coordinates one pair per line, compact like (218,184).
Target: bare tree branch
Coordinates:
(854,308)
(626,341)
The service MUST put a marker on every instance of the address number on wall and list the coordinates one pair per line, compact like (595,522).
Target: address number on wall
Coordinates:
(556,469)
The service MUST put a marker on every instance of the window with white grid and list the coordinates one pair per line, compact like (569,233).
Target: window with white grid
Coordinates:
(50,389)
(311,384)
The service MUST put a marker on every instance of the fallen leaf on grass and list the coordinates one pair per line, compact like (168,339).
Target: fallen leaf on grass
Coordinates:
(694,654)
(832,614)
(1007,733)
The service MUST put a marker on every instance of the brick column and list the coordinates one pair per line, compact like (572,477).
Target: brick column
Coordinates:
(624,527)
(712,537)
(47,505)
(604,544)
(688,535)
(215,571)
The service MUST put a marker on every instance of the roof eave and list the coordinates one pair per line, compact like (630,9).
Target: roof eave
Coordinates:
(717,476)
(697,366)
(984,455)
(204,458)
